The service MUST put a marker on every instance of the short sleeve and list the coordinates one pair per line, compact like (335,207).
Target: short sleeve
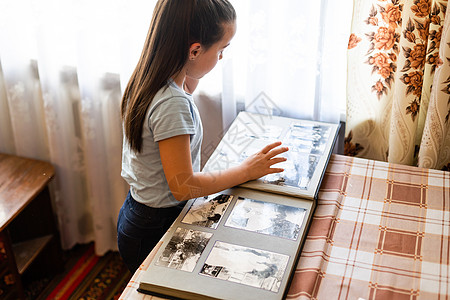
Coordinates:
(170,118)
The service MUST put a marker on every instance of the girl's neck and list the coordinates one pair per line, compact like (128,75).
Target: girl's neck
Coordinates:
(179,78)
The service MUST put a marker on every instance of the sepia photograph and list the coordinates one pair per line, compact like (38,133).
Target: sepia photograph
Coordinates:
(184,249)
(207,211)
(249,266)
(267,218)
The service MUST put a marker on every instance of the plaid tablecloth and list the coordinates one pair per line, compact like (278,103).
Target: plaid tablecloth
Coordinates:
(380,231)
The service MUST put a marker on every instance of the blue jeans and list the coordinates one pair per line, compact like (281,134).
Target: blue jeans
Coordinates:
(139,229)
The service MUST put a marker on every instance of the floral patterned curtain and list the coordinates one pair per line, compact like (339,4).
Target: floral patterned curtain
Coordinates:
(398,82)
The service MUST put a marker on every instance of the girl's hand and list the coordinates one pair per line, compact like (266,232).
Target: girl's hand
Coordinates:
(260,163)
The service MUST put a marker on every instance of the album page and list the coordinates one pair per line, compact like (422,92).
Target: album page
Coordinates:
(310,145)
(237,244)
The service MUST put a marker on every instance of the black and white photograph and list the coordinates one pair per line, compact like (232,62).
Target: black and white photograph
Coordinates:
(263,132)
(307,138)
(184,249)
(207,211)
(306,143)
(267,218)
(298,171)
(249,266)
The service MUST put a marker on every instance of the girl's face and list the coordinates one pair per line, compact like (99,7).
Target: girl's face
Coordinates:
(202,61)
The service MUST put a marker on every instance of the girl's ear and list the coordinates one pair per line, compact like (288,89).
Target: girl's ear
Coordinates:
(194,51)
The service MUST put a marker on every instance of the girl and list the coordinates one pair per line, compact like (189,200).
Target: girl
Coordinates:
(162,126)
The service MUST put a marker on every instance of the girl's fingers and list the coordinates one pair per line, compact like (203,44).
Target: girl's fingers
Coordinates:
(269,147)
(277,160)
(275,152)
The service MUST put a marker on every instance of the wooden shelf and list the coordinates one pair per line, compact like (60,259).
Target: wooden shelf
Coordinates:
(21,180)
(26,252)
(28,229)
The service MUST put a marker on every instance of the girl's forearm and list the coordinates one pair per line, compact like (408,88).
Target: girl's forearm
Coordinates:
(189,186)
(186,184)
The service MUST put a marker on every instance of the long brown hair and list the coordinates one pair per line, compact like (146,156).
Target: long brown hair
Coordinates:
(175,25)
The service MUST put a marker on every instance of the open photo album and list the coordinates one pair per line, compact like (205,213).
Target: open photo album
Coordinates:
(244,242)
(310,145)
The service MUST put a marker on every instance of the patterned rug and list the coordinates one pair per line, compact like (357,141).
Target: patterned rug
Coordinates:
(89,277)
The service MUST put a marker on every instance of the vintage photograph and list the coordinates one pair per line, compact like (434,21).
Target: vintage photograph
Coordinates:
(306,145)
(298,170)
(207,211)
(184,249)
(263,132)
(248,266)
(307,138)
(267,218)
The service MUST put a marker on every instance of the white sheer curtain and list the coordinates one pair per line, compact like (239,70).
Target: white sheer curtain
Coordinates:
(290,57)
(64,64)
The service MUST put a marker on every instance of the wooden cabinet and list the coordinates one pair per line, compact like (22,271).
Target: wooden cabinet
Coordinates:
(29,240)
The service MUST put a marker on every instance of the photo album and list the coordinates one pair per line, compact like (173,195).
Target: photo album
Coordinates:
(244,242)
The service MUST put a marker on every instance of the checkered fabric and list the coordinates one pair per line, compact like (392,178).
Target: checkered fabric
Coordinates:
(380,231)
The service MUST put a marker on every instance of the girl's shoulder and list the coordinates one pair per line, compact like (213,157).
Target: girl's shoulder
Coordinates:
(170,94)
(170,98)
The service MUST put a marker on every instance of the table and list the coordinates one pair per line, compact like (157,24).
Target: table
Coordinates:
(380,231)
(28,232)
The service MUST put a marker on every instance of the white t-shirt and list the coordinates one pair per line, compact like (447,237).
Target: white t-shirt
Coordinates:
(171,113)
